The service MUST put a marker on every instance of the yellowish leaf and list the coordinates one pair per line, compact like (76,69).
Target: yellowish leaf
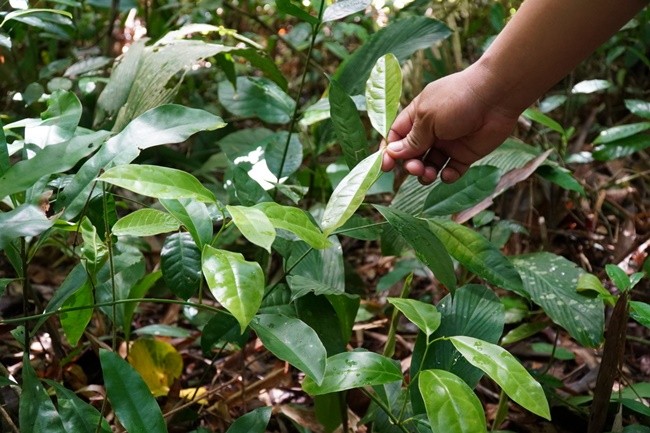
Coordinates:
(158,363)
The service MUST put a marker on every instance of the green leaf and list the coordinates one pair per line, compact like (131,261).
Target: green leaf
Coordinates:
(618,277)
(638,107)
(247,190)
(622,131)
(621,148)
(426,244)
(254,421)
(274,152)
(77,415)
(261,61)
(158,182)
(145,222)
(291,340)
(4,151)
(451,405)
(557,352)
(560,176)
(13,15)
(477,254)
(344,8)
(288,7)
(194,216)
(221,327)
(257,97)
(590,282)
(478,183)
(522,332)
(591,86)
(550,281)
(25,220)
(300,286)
(296,221)
(254,225)
(180,263)
(539,117)
(383,90)
(59,121)
(133,403)
(36,412)
(347,125)
(74,322)
(425,316)
(401,38)
(323,266)
(506,371)
(76,278)
(162,125)
(349,370)
(159,330)
(238,285)
(350,192)
(55,158)
(640,311)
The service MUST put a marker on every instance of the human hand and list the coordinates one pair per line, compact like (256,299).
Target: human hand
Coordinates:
(447,127)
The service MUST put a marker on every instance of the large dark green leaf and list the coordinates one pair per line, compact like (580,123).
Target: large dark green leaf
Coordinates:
(324,266)
(77,415)
(402,38)
(291,340)
(25,220)
(145,222)
(221,327)
(327,321)
(477,254)
(76,278)
(349,370)
(450,404)
(383,90)
(551,282)
(238,285)
(475,185)
(283,158)
(257,97)
(194,216)
(55,158)
(426,244)
(253,422)
(162,125)
(347,125)
(474,311)
(180,262)
(156,181)
(36,411)
(505,370)
(130,397)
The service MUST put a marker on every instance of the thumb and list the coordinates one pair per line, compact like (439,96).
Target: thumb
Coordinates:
(415,144)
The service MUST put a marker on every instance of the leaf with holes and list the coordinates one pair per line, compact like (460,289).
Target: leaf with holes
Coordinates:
(383,90)
(254,225)
(180,262)
(133,403)
(450,403)
(291,340)
(506,371)
(238,285)
(145,222)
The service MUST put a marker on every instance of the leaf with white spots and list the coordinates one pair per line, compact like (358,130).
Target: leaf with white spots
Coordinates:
(292,340)
(551,282)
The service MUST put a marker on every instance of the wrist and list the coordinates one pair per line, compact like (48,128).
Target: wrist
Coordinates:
(496,88)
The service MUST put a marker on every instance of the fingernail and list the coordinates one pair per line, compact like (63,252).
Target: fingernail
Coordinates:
(395,146)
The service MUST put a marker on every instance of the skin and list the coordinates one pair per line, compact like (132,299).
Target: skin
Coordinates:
(462,117)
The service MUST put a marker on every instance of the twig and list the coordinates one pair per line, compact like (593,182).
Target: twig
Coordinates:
(8,420)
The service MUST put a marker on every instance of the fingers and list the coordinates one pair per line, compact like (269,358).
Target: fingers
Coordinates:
(409,137)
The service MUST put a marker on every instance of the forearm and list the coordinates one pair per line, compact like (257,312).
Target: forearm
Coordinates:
(542,43)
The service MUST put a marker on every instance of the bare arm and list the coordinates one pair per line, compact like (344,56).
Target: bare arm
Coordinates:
(462,117)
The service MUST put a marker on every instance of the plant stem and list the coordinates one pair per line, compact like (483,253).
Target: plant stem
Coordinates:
(111,264)
(389,349)
(386,410)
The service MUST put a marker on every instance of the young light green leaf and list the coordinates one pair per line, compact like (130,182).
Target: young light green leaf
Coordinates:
(77,415)
(506,371)
(425,316)
(129,395)
(349,370)
(194,216)
(238,285)
(296,221)
(350,192)
(25,220)
(426,244)
(254,225)
(347,125)
(590,282)
(550,281)
(36,412)
(158,182)
(618,277)
(180,263)
(622,131)
(145,222)
(477,254)
(475,185)
(344,8)
(522,332)
(253,422)
(291,340)
(74,322)
(640,311)
(450,403)
(383,90)
(539,117)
